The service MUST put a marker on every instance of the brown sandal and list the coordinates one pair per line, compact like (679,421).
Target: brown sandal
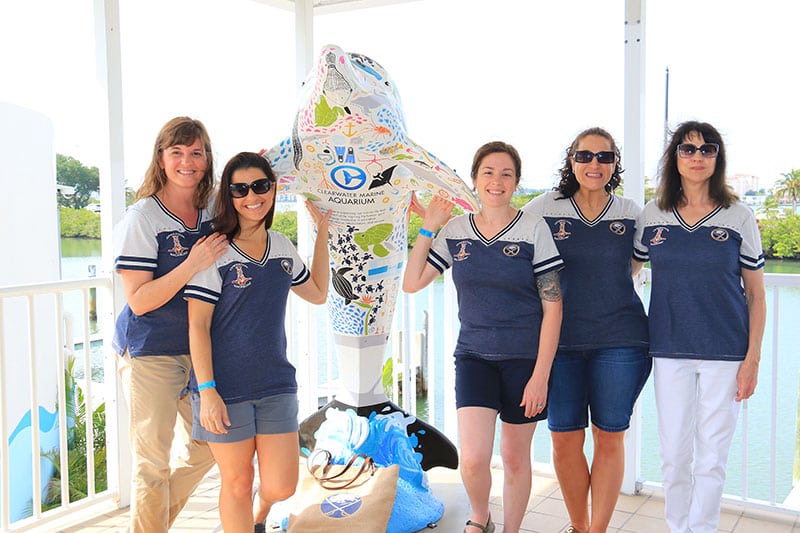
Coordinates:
(488,528)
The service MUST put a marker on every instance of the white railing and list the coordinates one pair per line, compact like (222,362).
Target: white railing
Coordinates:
(442,319)
(308,353)
(45,352)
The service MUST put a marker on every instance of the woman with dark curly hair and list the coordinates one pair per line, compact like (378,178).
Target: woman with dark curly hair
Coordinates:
(602,363)
(707,314)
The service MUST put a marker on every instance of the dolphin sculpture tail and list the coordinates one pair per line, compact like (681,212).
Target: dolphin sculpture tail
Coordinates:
(435,448)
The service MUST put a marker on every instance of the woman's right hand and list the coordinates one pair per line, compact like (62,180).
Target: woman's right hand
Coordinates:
(207,250)
(437,213)
(213,412)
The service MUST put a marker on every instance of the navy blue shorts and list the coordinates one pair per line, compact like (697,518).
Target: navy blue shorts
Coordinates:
(494,384)
(272,415)
(604,381)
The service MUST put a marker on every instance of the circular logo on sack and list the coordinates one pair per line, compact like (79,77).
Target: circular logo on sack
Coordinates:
(341,505)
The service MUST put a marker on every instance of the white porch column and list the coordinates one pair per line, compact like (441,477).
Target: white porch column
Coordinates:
(306,326)
(112,198)
(633,156)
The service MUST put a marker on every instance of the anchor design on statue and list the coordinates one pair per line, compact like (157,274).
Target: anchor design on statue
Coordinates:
(349,152)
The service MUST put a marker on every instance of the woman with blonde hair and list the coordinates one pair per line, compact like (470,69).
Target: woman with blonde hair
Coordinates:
(161,243)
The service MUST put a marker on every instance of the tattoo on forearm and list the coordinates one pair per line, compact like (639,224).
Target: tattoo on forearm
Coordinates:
(549,287)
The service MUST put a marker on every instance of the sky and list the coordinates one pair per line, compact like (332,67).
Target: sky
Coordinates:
(531,73)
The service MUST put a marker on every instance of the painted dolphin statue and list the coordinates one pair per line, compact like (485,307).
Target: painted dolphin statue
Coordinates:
(349,152)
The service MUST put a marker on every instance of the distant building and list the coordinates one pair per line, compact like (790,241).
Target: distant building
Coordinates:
(741,183)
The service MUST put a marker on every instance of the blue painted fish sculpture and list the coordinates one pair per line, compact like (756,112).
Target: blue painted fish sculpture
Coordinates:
(349,152)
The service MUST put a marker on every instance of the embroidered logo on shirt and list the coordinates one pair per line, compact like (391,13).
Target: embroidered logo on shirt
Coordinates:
(561,232)
(719,234)
(659,237)
(286,265)
(510,250)
(178,249)
(617,228)
(462,251)
(241,280)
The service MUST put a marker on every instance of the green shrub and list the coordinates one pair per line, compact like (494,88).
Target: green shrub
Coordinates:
(79,223)
(76,447)
(286,223)
(780,237)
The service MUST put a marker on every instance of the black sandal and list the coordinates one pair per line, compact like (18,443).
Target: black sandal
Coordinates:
(488,528)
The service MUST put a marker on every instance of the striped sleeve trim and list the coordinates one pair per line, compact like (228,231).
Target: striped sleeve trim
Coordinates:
(641,256)
(201,293)
(554,263)
(437,261)
(301,278)
(125,262)
(751,263)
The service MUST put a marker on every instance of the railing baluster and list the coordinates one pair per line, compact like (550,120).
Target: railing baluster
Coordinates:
(773,442)
(431,355)
(5,497)
(88,395)
(34,399)
(61,374)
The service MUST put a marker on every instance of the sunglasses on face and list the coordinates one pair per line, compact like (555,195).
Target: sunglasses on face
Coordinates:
(585,156)
(240,190)
(687,150)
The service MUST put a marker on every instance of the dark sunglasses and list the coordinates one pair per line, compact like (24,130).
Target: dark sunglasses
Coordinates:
(687,150)
(240,190)
(585,156)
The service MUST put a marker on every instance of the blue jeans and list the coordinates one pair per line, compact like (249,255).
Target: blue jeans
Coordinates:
(604,381)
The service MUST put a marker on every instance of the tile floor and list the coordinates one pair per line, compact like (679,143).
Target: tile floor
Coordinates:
(546,513)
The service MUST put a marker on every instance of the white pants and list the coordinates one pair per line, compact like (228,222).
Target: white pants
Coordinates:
(696,422)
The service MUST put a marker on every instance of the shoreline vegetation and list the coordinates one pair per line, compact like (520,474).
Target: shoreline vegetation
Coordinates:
(780,231)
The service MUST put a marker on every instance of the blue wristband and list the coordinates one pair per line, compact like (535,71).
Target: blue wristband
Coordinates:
(426,233)
(207,385)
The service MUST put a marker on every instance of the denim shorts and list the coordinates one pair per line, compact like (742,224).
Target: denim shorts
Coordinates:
(604,381)
(496,384)
(272,415)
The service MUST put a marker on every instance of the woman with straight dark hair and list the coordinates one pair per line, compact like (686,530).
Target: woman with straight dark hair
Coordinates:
(245,399)
(707,314)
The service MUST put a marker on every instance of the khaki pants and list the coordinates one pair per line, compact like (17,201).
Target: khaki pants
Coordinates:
(153,387)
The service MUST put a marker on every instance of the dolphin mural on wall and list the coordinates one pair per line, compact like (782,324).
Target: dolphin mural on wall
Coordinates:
(349,152)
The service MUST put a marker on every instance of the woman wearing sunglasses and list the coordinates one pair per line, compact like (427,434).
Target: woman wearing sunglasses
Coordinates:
(245,401)
(161,243)
(602,361)
(707,314)
(505,269)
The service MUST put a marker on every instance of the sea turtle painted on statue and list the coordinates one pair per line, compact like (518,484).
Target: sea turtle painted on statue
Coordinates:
(349,152)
